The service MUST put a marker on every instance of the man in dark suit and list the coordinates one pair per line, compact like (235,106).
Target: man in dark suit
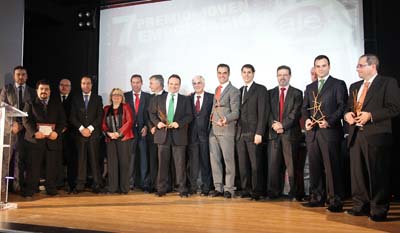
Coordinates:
(323,108)
(199,131)
(284,133)
(225,113)
(157,87)
(86,116)
(138,100)
(16,95)
(254,111)
(44,125)
(171,114)
(68,158)
(374,101)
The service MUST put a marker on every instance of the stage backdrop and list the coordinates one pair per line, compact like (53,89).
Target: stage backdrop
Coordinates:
(191,37)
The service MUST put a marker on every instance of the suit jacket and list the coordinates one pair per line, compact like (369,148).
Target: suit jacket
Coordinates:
(183,116)
(92,116)
(141,118)
(229,104)
(150,108)
(9,96)
(333,99)
(199,129)
(383,102)
(291,113)
(37,114)
(126,126)
(254,111)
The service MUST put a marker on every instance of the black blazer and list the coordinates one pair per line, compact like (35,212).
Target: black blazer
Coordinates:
(141,118)
(93,116)
(37,114)
(291,113)
(199,128)
(254,112)
(9,95)
(183,116)
(383,102)
(333,97)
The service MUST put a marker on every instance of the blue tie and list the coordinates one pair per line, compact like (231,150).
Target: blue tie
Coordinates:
(86,98)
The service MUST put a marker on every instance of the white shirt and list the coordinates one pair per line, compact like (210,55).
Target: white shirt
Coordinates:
(201,98)
(362,86)
(223,86)
(284,92)
(248,88)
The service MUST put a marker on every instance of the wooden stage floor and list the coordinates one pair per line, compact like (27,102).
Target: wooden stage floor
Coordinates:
(139,212)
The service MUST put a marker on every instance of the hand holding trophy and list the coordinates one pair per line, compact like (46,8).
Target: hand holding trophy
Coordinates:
(318,117)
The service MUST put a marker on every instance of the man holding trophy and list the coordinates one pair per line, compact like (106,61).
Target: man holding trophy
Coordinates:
(375,101)
(323,108)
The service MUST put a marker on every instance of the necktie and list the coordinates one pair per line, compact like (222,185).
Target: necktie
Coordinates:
(137,102)
(63,98)
(244,93)
(171,109)
(321,84)
(281,103)
(363,93)
(20,98)
(86,98)
(218,92)
(44,102)
(198,104)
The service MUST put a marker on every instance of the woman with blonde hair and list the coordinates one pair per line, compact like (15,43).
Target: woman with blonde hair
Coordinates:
(117,127)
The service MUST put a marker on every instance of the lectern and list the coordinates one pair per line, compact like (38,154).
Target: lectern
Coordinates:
(7,112)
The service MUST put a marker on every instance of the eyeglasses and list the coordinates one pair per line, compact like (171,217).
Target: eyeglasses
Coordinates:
(362,65)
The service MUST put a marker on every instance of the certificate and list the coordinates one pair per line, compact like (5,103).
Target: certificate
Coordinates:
(46,129)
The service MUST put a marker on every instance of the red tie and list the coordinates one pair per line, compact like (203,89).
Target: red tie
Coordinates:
(218,92)
(137,101)
(281,103)
(198,104)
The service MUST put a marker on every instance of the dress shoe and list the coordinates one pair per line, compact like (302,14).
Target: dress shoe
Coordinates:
(76,191)
(313,204)
(357,213)
(184,194)
(204,193)
(245,195)
(160,194)
(335,208)
(227,195)
(255,197)
(217,194)
(52,193)
(378,218)
(192,192)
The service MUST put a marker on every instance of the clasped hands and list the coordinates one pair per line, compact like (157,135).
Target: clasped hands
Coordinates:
(361,119)
(52,136)
(278,127)
(113,135)
(173,125)
(309,124)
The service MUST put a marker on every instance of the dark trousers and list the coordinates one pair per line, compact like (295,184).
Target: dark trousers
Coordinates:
(249,155)
(119,155)
(199,161)
(70,158)
(140,149)
(153,162)
(179,159)
(35,157)
(281,154)
(370,176)
(299,162)
(88,151)
(324,158)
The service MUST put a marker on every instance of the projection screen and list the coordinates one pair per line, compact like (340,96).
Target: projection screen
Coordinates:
(191,37)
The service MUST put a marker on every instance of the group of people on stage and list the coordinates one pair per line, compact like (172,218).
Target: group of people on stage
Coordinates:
(250,134)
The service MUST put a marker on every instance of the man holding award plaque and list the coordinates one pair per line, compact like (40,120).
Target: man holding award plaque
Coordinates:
(323,108)
(374,101)
(171,113)
(44,125)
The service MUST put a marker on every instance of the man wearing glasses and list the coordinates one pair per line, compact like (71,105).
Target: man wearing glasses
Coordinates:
(373,102)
